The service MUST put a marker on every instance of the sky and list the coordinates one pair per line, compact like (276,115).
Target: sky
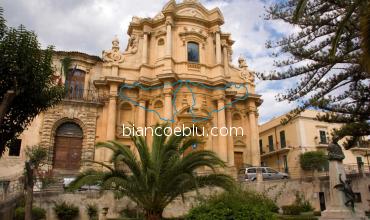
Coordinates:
(89,25)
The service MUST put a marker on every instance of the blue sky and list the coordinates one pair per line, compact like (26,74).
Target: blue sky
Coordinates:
(89,26)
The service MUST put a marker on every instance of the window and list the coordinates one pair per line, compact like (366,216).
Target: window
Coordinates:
(269,170)
(282,139)
(15,148)
(193,52)
(271,143)
(74,84)
(261,146)
(323,139)
(252,170)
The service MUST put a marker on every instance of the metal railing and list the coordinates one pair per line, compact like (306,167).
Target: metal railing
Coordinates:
(87,95)
(298,173)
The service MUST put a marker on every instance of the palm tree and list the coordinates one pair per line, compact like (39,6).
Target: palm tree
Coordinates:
(155,178)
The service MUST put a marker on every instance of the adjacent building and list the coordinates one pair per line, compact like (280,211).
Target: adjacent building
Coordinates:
(281,145)
(185,44)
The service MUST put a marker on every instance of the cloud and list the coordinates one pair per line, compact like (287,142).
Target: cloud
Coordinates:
(89,26)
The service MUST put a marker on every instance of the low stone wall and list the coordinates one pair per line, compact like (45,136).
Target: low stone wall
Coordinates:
(282,191)
(47,200)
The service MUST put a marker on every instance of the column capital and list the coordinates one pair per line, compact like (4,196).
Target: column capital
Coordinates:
(169,21)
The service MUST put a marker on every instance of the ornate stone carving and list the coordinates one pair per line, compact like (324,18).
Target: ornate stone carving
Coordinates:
(113,55)
(191,12)
(132,45)
(335,152)
(189,33)
(245,74)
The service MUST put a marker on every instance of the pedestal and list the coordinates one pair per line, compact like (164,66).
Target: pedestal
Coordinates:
(337,210)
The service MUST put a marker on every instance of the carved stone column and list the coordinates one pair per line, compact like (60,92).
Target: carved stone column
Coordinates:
(169,23)
(167,91)
(218,47)
(230,144)
(141,114)
(255,152)
(112,112)
(145,48)
(222,140)
(226,59)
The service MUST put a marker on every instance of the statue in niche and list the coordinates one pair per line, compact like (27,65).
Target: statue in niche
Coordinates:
(132,45)
(113,55)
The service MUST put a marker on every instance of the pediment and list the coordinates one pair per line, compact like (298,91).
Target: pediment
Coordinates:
(191,12)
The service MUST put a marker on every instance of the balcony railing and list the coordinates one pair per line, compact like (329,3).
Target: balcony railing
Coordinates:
(86,95)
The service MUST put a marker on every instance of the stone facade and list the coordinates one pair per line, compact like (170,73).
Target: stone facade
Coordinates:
(184,44)
(302,134)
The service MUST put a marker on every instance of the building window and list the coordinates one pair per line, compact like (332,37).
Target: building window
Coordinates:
(323,138)
(193,52)
(261,147)
(271,143)
(74,84)
(282,139)
(15,148)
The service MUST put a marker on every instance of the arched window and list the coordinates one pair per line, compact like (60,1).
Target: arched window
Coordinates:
(193,52)
(69,129)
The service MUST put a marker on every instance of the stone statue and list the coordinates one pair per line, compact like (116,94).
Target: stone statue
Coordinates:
(113,55)
(346,188)
(132,45)
(245,74)
(335,152)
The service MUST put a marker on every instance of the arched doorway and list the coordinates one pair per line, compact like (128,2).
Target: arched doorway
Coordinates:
(68,146)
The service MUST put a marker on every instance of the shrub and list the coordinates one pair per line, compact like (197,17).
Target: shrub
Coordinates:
(303,203)
(92,211)
(291,209)
(37,213)
(239,205)
(299,217)
(66,211)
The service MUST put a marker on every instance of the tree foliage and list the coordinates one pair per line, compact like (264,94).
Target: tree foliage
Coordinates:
(26,73)
(329,57)
(155,178)
(313,160)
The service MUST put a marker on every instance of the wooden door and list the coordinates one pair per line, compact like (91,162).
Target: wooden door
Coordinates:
(67,153)
(238,160)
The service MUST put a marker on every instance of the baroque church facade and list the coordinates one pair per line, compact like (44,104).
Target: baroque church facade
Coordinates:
(183,43)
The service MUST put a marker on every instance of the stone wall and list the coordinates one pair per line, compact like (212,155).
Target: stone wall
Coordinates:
(282,191)
(82,113)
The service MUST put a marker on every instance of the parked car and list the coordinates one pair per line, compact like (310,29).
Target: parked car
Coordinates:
(250,174)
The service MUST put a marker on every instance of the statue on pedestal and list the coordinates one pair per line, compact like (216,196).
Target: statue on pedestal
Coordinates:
(335,152)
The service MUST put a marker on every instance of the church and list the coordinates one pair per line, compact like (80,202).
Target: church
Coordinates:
(176,68)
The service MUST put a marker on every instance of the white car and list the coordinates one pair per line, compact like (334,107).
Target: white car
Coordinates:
(250,174)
